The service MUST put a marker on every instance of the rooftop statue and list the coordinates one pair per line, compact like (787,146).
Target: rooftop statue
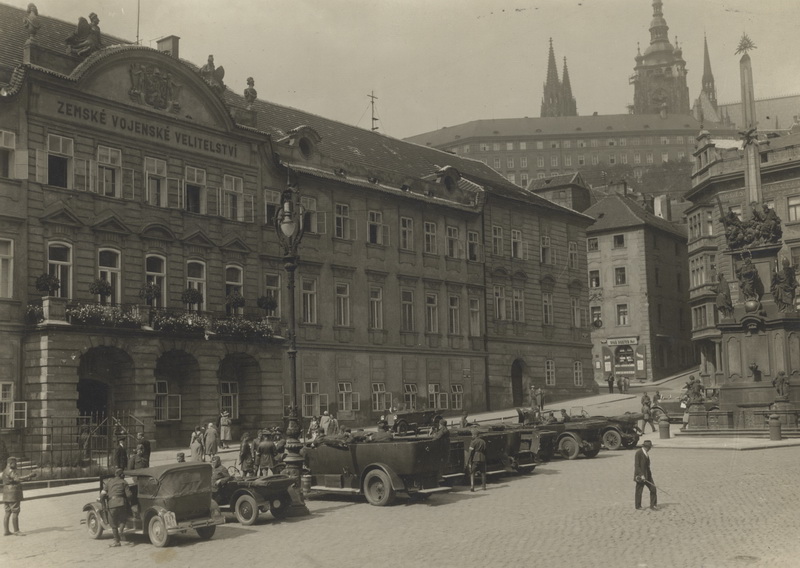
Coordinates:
(86,38)
(31,20)
(250,94)
(213,75)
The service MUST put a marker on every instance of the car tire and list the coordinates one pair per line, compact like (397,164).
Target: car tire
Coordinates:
(206,533)
(246,510)
(378,489)
(569,448)
(157,532)
(94,524)
(612,440)
(593,452)
(279,506)
(401,427)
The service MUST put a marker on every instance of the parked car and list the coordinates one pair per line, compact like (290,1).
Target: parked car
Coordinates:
(621,431)
(247,497)
(573,438)
(379,469)
(410,421)
(167,500)
(505,451)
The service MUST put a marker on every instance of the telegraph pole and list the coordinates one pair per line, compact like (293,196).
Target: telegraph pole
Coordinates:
(372,102)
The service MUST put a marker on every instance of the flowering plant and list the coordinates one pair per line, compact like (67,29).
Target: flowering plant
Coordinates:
(47,283)
(34,313)
(150,292)
(100,287)
(186,322)
(192,296)
(235,300)
(107,316)
(241,328)
(267,303)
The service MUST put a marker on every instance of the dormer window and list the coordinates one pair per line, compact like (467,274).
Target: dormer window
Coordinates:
(306,147)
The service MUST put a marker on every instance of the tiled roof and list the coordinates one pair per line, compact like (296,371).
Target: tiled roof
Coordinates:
(619,212)
(561,180)
(599,125)
(51,35)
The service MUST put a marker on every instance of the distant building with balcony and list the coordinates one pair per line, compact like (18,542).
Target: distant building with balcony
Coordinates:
(149,190)
(718,185)
(638,292)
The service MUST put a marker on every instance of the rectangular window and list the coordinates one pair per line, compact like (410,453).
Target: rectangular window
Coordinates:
(196,279)
(59,161)
(466,148)
(309,300)
(581,144)
(612,159)
(509,162)
(512,178)
(8,144)
(194,192)
(593,143)
(577,374)
(349,401)
(637,158)
(457,394)
(272,289)
(699,317)
(431,313)
(623,141)
(497,240)
(545,250)
(649,157)
(620,276)
(454,315)
(474,317)
(595,159)
(619,241)
(410,396)
(567,144)
(499,303)
(540,162)
(342,222)
(523,162)
(430,238)
(612,142)
(436,398)
(596,315)
(517,246)
(313,220)
(553,161)
(342,317)
(518,305)
(496,146)
(109,162)
(6,268)
(573,254)
(523,180)
(664,157)
(547,308)
(594,279)
(381,400)
(581,160)
(229,398)
(496,163)
(509,145)
(272,203)
(523,145)
(378,233)
(376,307)
(568,160)
(539,145)
(453,244)
(794,207)
(622,314)
(592,244)
(483,146)
(314,402)
(407,310)
(167,406)
(155,172)
(624,158)
(550,373)
(59,264)
(406,233)
(108,262)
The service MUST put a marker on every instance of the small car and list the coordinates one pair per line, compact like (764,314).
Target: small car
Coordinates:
(409,421)
(573,438)
(247,496)
(167,500)
(617,432)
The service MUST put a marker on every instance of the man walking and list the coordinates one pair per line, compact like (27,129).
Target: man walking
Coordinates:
(116,496)
(643,476)
(610,381)
(12,496)
(145,443)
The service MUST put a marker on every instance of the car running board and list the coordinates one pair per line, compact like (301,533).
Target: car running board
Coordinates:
(433,490)
(335,489)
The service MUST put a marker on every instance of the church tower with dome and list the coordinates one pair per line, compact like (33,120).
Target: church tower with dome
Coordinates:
(659,78)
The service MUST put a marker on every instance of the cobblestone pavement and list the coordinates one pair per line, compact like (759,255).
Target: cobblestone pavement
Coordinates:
(719,509)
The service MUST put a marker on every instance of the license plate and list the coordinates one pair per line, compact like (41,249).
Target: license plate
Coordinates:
(169,520)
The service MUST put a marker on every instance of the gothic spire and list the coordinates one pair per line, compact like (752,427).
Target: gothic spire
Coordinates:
(570,108)
(708,77)
(551,96)
(552,72)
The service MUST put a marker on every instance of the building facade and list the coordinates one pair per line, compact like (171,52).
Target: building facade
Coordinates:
(149,190)
(638,292)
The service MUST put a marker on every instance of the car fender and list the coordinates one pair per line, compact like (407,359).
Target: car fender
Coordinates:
(659,407)
(153,511)
(102,514)
(397,483)
(572,435)
(244,491)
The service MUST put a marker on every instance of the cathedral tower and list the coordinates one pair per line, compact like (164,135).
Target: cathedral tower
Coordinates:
(557,99)
(659,79)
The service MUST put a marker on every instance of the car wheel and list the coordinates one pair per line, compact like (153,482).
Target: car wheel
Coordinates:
(402,427)
(246,510)
(94,524)
(569,448)
(657,413)
(279,506)
(157,532)
(612,440)
(593,452)
(206,533)
(378,489)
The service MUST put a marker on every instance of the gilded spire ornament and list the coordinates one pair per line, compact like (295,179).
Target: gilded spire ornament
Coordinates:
(745,44)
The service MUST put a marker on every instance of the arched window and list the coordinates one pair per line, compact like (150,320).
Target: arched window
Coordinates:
(155,268)
(59,264)
(109,269)
(233,284)
(196,279)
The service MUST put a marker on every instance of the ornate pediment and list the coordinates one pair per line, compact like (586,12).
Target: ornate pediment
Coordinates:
(108,222)
(236,245)
(199,239)
(60,213)
(157,231)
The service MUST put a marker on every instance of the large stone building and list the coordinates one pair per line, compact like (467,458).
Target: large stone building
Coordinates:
(638,291)
(138,179)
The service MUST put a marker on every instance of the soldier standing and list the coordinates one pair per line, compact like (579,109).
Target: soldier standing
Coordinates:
(12,496)
(477,459)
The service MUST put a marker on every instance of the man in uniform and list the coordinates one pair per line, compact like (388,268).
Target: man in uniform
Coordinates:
(219,474)
(642,476)
(477,459)
(116,496)
(267,454)
(12,495)
(145,443)
(383,433)
(443,431)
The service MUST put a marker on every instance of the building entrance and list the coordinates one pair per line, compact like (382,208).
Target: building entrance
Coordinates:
(93,399)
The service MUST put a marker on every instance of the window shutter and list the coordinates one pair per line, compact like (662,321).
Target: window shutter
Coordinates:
(91,176)
(322,222)
(20,418)
(41,166)
(385,236)
(20,164)
(249,209)
(353,229)
(219,201)
(182,195)
(173,192)
(509,307)
(80,175)
(128,191)
(460,249)
(526,251)
(356,399)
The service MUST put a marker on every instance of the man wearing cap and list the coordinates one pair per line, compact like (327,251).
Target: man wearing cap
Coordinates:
(477,459)
(180,457)
(642,476)
(219,474)
(12,495)
(116,495)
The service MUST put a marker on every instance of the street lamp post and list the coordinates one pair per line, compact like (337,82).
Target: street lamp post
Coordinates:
(289,228)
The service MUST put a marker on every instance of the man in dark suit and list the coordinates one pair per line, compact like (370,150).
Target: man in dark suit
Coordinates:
(642,475)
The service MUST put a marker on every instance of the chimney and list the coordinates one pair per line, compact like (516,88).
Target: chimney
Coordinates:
(618,187)
(169,45)
(662,207)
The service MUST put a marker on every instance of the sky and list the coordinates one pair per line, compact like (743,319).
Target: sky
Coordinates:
(436,63)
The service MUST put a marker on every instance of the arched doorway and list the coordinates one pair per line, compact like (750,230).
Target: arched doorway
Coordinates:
(93,398)
(179,399)
(517,371)
(105,384)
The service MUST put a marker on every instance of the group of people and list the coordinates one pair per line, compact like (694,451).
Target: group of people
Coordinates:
(623,383)
(325,425)
(262,453)
(206,442)
(139,458)
(537,397)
